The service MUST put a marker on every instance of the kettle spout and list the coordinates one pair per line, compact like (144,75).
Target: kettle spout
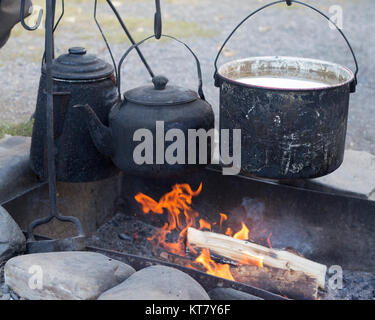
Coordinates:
(100,134)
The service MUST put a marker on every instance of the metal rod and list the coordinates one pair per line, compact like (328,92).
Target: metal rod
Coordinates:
(130,37)
(55,27)
(49,53)
(157,20)
(50,4)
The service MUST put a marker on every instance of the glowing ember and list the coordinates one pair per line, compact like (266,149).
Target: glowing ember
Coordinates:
(212,268)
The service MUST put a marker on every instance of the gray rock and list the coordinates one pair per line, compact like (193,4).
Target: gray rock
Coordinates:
(230,294)
(5,297)
(5,289)
(12,240)
(157,283)
(16,177)
(64,275)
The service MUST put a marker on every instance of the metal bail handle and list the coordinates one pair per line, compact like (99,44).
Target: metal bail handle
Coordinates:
(199,70)
(289,3)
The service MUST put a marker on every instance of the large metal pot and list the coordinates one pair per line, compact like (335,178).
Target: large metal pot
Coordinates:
(287,132)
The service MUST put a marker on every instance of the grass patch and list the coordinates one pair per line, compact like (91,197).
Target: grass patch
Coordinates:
(24,129)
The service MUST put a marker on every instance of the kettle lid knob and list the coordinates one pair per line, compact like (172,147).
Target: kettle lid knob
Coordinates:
(77,50)
(160,82)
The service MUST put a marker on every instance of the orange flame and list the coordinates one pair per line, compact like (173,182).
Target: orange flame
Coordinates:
(204,225)
(181,216)
(269,240)
(243,234)
(212,268)
(229,232)
(223,217)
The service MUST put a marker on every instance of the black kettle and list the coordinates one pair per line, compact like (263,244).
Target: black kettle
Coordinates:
(156,109)
(78,77)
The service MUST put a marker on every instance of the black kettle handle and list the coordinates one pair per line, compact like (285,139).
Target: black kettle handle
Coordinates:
(289,3)
(199,70)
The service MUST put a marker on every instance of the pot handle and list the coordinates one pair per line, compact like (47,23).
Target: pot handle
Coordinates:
(136,45)
(289,3)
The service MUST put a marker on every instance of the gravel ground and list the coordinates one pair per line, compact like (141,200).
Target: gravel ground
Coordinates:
(277,31)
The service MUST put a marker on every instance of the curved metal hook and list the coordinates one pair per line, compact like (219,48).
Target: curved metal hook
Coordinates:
(22,18)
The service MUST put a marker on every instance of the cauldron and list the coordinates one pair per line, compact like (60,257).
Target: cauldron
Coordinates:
(292,112)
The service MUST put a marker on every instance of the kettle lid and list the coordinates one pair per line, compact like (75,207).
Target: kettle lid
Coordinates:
(78,65)
(160,94)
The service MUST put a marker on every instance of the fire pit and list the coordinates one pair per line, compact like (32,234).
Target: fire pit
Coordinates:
(300,221)
(332,230)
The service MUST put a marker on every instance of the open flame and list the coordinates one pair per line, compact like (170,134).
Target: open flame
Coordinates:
(180,217)
(213,268)
(243,234)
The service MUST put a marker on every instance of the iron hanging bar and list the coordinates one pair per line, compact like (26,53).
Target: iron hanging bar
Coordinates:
(123,26)
(55,27)
(158,27)
(22,18)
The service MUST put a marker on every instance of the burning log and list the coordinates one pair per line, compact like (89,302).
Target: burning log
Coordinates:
(245,252)
(290,283)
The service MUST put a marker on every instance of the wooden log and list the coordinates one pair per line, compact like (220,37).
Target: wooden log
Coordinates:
(289,283)
(250,253)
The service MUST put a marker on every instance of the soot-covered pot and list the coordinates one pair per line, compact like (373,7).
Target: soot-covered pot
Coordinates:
(78,77)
